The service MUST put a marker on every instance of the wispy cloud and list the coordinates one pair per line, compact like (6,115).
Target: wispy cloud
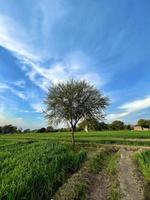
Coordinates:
(38,107)
(72,65)
(19,83)
(137,105)
(20,94)
(130,108)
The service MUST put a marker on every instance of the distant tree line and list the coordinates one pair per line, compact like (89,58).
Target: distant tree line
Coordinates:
(10,129)
(91,124)
(95,125)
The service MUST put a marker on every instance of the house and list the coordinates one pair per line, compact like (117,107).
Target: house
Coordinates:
(137,128)
(140,128)
(146,129)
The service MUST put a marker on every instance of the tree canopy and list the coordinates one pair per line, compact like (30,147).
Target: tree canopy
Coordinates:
(117,125)
(74,101)
(145,123)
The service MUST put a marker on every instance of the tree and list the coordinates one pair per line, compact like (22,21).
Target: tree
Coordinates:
(41,130)
(74,101)
(27,130)
(117,125)
(49,129)
(91,123)
(103,126)
(9,129)
(144,123)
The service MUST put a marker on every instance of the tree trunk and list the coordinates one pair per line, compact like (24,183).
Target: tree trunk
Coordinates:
(73,139)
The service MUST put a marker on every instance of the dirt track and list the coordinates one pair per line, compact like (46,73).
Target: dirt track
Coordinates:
(130,184)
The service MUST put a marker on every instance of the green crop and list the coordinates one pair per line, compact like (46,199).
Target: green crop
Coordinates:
(36,170)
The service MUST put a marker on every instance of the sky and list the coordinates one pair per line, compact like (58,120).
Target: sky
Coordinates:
(106,43)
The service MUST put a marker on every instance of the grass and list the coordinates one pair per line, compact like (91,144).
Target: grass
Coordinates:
(36,170)
(143,161)
(112,169)
(99,161)
(78,186)
(66,135)
(101,137)
(34,166)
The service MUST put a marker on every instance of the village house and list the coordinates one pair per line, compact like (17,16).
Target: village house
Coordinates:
(140,128)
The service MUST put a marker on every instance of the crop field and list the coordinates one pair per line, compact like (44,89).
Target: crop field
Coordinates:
(102,137)
(36,170)
(45,166)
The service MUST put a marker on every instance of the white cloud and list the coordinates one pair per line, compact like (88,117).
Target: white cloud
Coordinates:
(92,78)
(116,116)
(38,107)
(20,83)
(74,64)
(136,105)
(3,87)
(18,93)
(130,108)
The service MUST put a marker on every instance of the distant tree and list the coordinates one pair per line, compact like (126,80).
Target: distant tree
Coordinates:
(74,101)
(0,129)
(117,125)
(127,127)
(9,129)
(144,123)
(103,126)
(19,130)
(27,130)
(41,130)
(64,130)
(91,124)
(49,129)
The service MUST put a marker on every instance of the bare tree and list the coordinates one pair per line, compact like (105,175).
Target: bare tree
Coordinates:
(74,101)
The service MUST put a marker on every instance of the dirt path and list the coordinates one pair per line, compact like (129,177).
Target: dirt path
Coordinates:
(130,184)
(99,186)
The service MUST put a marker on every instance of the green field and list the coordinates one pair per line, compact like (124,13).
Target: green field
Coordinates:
(36,170)
(102,137)
(36,165)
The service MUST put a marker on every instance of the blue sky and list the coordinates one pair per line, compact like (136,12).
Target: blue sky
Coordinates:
(48,41)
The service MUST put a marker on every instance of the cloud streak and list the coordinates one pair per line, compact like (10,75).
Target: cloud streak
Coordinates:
(130,108)
(18,93)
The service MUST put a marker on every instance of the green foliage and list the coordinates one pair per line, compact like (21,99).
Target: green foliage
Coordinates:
(112,169)
(117,125)
(113,164)
(72,101)
(143,160)
(77,186)
(8,129)
(36,170)
(98,162)
(101,137)
(144,123)
(92,125)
